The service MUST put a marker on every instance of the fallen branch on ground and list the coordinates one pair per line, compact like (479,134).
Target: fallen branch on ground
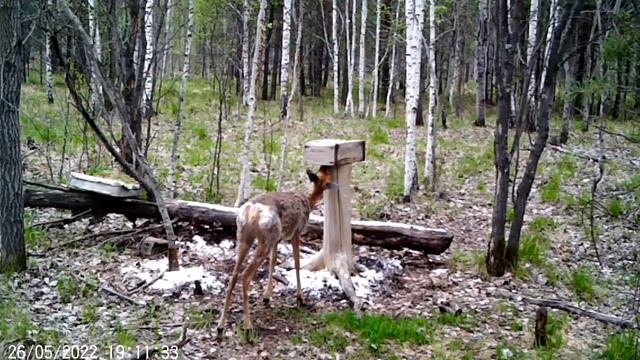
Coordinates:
(561,305)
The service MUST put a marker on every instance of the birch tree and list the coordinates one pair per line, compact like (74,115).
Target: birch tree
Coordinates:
(148,58)
(166,35)
(414,17)
(244,188)
(351,53)
(430,158)
(48,69)
(94,32)
(481,64)
(177,131)
(245,53)
(531,43)
(456,63)
(291,95)
(362,60)
(376,66)
(392,67)
(336,58)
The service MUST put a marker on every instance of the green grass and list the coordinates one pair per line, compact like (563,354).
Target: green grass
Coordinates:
(395,183)
(551,191)
(583,283)
(542,223)
(377,329)
(474,162)
(125,337)
(201,319)
(616,208)
(329,338)
(556,329)
(90,313)
(622,346)
(533,248)
(15,322)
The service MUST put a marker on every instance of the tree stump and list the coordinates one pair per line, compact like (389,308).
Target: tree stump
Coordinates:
(541,327)
(336,253)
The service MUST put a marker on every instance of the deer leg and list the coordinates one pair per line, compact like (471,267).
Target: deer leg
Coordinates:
(272,265)
(242,250)
(296,260)
(247,277)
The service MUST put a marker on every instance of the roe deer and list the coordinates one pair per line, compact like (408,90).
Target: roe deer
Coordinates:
(270,218)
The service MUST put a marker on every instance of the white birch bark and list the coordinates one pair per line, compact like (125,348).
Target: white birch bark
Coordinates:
(94,33)
(148,58)
(294,86)
(392,69)
(430,158)
(336,58)
(245,53)
(481,63)
(362,60)
(414,15)
(351,53)
(376,78)
(553,19)
(244,188)
(48,78)
(531,43)
(167,37)
(454,85)
(177,132)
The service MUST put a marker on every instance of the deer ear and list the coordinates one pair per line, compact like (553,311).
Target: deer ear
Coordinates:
(312,176)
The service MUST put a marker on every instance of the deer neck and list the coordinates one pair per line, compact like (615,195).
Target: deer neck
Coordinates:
(314,198)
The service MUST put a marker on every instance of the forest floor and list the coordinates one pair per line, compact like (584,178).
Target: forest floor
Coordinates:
(57,301)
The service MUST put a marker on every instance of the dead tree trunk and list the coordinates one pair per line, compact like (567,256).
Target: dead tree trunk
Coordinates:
(387,235)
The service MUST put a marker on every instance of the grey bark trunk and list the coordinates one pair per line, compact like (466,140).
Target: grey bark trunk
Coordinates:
(13,257)
(481,64)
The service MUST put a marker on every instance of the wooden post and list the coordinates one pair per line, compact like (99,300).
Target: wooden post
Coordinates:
(336,254)
(541,327)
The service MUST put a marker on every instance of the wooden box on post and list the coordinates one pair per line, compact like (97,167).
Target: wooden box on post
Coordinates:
(336,254)
(333,152)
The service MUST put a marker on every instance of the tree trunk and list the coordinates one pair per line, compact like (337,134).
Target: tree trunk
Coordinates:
(245,52)
(430,158)
(362,61)
(177,132)
(567,108)
(387,235)
(414,17)
(48,79)
(481,64)
(275,70)
(557,48)
(376,66)
(531,43)
(351,37)
(94,32)
(454,86)
(388,111)
(267,52)
(166,38)
(336,57)
(495,252)
(148,59)
(244,188)
(13,257)
(285,101)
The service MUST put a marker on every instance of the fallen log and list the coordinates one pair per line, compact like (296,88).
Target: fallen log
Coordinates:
(370,233)
(572,309)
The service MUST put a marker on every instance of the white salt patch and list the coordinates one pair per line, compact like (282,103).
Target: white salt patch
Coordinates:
(149,269)
(219,251)
(314,282)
